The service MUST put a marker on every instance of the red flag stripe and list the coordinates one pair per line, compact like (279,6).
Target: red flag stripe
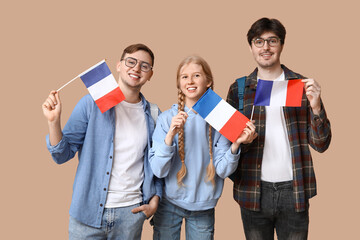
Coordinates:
(294,93)
(109,100)
(234,126)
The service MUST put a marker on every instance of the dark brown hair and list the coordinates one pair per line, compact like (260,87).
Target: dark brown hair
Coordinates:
(137,47)
(266,25)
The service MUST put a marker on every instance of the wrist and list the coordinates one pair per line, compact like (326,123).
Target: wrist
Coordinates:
(316,110)
(54,123)
(235,148)
(169,139)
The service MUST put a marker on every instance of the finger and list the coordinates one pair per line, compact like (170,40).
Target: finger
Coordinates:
(138,209)
(182,113)
(251,125)
(247,131)
(53,98)
(47,106)
(50,103)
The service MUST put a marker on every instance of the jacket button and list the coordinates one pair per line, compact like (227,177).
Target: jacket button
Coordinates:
(110,157)
(107,173)
(101,205)
(104,189)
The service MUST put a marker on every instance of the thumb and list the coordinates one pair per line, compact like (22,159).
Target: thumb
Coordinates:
(137,209)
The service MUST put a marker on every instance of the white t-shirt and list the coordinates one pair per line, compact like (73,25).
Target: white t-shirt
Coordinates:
(277,161)
(130,141)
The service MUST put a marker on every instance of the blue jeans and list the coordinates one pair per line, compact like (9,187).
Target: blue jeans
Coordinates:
(199,225)
(277,212)
(117,223)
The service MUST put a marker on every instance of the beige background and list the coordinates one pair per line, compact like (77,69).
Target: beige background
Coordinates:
(44,44)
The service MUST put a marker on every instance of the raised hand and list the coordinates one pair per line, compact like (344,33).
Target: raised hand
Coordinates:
(52,107)
(247,136)
(177,123)
(313,91)
(52,111)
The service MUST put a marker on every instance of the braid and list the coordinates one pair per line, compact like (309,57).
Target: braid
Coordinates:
(182,172)
(210,169)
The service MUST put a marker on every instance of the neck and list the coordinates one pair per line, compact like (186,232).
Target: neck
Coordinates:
(132,95)
(269,73)
(189,103)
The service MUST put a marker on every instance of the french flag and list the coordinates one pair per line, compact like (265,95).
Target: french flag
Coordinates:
(220,115)
(102,86)
(279,93)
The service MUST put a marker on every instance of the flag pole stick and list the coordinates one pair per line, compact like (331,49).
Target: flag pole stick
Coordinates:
(68,83)
(252,113)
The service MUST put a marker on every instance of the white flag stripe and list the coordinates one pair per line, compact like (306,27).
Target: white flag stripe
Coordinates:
(278,93)
(103,87)
(220,115)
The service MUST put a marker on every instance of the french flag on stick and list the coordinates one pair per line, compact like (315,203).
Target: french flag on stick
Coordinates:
(279,93)
(220,115)
(102,86)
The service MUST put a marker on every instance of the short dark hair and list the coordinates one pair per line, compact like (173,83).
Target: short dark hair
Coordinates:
(137,47)
(266,25)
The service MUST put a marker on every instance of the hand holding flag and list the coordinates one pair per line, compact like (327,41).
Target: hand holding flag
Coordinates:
(102,86)
(52,107)
(220,115)
(313,91)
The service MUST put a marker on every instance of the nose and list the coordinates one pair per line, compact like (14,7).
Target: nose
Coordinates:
(137,67)
(266,45)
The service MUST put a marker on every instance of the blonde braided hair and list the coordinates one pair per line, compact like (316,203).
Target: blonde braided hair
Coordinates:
(210,169)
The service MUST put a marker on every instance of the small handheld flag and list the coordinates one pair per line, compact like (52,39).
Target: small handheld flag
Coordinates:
(102,86)
(279,93)
(220,115)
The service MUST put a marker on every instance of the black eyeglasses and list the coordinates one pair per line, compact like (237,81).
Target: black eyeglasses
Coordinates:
(271,41)
(131,62)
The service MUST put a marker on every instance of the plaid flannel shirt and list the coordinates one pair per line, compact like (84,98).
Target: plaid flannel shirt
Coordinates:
(304,128)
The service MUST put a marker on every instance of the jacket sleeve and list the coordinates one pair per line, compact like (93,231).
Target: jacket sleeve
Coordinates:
(224,161)
(159,184)
(160,155)
(319,130)
(73,135)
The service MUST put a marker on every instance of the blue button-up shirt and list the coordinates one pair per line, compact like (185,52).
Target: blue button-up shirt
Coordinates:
(91,133)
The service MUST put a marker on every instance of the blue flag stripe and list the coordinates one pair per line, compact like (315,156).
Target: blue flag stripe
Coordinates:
(263,93)
(206,103)
(96,74)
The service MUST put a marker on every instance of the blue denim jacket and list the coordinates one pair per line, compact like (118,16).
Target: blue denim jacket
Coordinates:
(91,134)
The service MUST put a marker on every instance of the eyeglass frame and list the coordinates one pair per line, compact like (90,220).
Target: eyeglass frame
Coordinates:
(136,62)
(267,40)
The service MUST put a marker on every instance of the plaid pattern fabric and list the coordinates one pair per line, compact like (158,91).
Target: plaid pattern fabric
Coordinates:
(304,129)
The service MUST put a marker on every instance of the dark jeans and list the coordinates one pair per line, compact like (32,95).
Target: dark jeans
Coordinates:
(277,212)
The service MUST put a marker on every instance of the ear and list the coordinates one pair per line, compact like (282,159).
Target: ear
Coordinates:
(118,66)
(150,75)
(209,84)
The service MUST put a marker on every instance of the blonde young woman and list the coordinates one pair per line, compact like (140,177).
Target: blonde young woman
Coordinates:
(192,157)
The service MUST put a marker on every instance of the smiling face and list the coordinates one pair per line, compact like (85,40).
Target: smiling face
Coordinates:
(192,82)
(267,57)
(133,77)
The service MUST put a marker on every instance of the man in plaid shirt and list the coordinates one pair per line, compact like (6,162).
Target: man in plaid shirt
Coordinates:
(275,178)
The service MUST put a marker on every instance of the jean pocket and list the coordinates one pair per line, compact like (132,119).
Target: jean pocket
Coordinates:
(143,214)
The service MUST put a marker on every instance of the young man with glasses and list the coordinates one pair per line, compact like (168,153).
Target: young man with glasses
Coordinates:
(275,178)
(114,189)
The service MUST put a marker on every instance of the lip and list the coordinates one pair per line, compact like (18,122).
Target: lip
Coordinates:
(134,76)
(266,55)
(191,89)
